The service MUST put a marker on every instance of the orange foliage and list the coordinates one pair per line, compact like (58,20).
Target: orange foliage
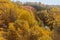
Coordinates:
(20,24)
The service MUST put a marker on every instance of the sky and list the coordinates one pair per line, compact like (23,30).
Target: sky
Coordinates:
(49,2)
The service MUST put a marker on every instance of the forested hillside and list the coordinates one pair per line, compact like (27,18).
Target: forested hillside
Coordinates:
(28,21)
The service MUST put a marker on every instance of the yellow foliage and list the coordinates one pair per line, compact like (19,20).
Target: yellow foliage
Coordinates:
(21,23)
(11,26)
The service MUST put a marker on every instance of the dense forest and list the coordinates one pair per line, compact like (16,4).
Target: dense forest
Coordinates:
(29,21)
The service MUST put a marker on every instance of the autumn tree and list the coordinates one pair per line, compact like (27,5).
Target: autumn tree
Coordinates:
(21,24)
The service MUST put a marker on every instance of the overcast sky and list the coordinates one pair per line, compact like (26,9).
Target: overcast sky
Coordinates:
(50,2)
